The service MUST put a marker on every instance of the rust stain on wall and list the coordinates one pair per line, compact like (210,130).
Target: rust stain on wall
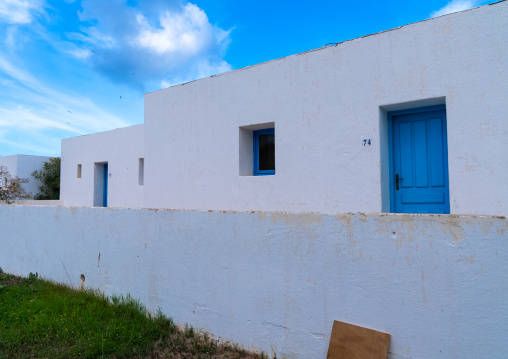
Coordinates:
(452,225)
(469,259)
(290,218)
(262,216)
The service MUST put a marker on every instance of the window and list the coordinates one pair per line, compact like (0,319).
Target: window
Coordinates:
(264,152)
(79,171)
(249,149)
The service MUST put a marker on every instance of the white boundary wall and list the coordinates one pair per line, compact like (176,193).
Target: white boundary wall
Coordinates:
(276,281)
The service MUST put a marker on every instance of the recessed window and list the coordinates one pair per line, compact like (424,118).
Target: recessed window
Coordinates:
(141,179)
(249,155)
(264,152)
(79,171)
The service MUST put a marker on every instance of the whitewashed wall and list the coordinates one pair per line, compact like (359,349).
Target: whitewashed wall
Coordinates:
(121,148)
(41,202)
(276,281)
(323,104)
(22,166)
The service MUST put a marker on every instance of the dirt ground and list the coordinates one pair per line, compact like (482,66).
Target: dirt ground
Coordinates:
(220,352)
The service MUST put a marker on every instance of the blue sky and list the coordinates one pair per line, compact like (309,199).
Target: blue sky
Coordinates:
(75,67)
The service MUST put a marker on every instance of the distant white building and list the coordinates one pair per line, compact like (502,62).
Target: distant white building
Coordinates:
(413,119)
(22,166)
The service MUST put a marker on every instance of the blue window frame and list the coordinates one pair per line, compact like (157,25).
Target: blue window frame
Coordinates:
(105,186)
(264,152)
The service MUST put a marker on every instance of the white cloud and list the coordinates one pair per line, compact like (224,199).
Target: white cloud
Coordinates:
(94,37)
(203,69)
(34,117)
(455,6)
(148,45)
(152,43)
(20,11)
(181,32)
(77,52)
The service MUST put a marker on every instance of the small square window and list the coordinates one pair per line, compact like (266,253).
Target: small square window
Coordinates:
(264,152)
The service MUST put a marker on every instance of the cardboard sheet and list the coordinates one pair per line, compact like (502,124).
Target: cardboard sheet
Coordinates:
(350,341)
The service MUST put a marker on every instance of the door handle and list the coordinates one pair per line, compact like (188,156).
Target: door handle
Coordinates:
(397,179)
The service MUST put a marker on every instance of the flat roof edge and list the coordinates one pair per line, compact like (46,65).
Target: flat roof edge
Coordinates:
(326,46)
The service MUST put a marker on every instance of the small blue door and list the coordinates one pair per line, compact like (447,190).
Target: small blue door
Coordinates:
(105,187)
(419,176)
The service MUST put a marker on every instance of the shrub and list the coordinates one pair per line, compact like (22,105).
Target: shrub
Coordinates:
(10,187)
(50,178)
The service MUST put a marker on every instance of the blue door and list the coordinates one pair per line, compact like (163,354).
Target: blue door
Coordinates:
(105,187)
(419,176)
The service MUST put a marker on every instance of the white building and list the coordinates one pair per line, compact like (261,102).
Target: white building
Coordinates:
(23,166)
(82,168)
(413,119)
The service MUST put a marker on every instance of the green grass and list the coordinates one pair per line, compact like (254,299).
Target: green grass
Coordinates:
(41,319)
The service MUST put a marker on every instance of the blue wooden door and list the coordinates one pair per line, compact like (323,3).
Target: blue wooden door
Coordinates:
(105,187)
(419,176)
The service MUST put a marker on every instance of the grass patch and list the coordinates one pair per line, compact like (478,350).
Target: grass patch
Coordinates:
(42,319)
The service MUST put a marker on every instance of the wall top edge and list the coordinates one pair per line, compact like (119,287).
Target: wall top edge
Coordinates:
(276,213)
(103,133)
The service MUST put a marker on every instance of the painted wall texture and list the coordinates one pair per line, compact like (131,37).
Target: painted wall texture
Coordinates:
(323,104)
(22,166)
(276,281)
